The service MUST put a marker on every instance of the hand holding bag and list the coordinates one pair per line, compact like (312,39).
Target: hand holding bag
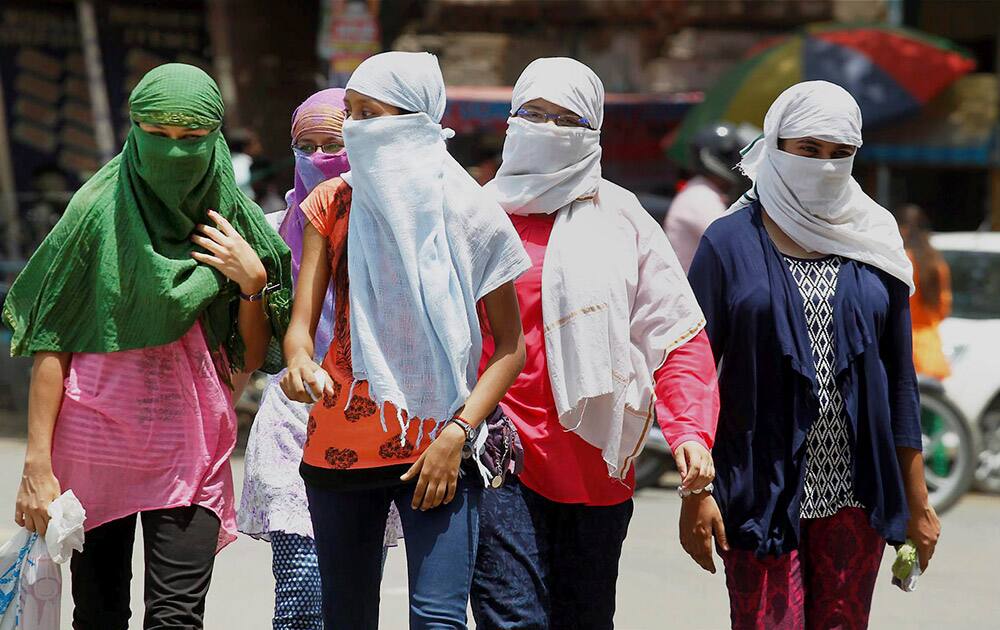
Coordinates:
(30,575)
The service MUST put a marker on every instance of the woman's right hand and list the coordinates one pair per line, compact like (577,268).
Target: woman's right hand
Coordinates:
(305,372)
(39,487)
(700,521)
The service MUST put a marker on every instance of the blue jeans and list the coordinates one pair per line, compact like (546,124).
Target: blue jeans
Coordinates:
(544,565)
(349,526)
(298,598)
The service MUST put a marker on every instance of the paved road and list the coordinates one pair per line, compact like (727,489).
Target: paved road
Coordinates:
(659,587)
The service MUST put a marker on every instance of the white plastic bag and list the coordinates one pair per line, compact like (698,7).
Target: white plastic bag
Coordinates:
(12,558)
(30,575)
(41,590)
(65,532)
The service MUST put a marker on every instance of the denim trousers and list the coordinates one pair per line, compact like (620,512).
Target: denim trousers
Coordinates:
(544,565)
(349,527)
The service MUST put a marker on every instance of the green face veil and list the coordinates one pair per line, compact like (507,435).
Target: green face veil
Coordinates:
(175,170)
(116,272)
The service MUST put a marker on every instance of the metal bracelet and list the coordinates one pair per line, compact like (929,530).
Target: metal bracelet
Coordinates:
(686,493)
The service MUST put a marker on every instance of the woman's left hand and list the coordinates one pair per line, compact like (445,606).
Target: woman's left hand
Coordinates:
(230,254)
(438,469)
(924,529)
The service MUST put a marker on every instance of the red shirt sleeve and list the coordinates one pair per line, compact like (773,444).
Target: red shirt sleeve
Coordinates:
(687,391)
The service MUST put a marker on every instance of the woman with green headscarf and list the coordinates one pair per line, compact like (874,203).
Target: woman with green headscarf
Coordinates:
(159,286)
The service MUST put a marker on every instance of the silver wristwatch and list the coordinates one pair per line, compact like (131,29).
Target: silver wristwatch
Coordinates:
(470,435)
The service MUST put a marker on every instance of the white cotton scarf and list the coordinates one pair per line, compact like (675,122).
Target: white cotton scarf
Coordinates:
(425,243)
(615,300)
(817,202)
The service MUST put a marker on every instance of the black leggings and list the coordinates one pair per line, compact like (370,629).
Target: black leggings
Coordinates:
(180,548)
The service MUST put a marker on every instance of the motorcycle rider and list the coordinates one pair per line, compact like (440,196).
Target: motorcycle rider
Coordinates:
(715,151)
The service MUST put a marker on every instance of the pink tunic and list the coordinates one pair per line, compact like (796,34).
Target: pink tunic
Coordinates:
(147,429)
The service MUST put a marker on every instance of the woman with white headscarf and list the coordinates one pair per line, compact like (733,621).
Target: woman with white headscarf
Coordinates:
(610,324)
(414,248)
(805,288)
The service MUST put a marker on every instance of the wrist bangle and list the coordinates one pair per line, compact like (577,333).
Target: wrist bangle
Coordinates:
(686,493)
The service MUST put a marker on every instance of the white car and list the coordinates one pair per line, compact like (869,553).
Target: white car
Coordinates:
(971,339)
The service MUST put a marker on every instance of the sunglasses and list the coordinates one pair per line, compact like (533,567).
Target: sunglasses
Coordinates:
(329,148)
(561,120)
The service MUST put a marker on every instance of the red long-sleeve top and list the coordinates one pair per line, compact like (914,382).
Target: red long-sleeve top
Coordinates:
(560,465)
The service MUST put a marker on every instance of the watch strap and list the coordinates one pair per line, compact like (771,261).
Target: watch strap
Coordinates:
(470,431)
(260,295)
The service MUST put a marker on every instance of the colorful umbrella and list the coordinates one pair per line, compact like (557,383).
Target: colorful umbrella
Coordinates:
(890,71)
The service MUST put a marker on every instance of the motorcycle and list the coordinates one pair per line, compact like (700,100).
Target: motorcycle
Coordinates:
(948,446)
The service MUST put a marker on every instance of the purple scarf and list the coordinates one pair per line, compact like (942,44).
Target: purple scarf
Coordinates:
(322,112)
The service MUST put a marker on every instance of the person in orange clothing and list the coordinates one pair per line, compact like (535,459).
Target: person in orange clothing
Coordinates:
(931,302)
(413,248)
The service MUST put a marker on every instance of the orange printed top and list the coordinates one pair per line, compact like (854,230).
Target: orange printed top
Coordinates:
(349,443)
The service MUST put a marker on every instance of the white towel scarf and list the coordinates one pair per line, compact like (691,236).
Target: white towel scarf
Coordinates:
(615,300)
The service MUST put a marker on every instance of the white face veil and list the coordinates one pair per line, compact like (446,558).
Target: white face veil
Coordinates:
(546,167)
(425,244)
(817,202)
(615,300)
